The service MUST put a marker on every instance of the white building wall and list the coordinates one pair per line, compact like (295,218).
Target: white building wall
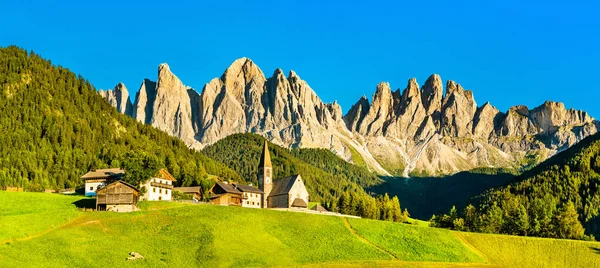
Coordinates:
(92,187)
(154,193)
(298,190)
(252,200)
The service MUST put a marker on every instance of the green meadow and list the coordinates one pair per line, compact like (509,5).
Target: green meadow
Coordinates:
(46,230)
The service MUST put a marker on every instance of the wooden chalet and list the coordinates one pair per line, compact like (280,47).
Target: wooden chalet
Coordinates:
(225,194)
(118,196)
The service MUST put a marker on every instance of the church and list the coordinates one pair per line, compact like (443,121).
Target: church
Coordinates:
(288,192)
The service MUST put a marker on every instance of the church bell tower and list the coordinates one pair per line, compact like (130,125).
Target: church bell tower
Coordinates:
(265,174)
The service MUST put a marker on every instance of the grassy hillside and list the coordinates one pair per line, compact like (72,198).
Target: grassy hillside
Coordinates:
(513,251)
(55,127)
(181,235)
(26,214)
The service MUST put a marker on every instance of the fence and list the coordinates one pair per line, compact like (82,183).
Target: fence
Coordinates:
(11,189)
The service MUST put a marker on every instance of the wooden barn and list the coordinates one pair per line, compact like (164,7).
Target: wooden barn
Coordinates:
(117,196)
(225,194)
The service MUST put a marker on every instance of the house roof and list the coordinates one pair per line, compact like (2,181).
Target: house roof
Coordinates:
(265,157)
(283,185)
(248,188)
(191,189)
(115,182)
(164,174)
(107,173)
(319,208)
(299,203)
(228,188)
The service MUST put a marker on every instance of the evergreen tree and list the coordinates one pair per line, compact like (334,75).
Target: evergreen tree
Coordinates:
(567,222)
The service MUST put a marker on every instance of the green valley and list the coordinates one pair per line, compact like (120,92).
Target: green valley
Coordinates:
(176,234)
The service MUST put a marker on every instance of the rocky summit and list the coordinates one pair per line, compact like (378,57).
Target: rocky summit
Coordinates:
(416,131)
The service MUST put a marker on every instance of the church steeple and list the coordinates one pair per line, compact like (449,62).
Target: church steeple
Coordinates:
(265,174)
(265,157)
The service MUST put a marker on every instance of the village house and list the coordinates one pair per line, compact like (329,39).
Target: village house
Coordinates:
(251,196)
(287,192)
(159,187)
(97,178)
(118,196)
(225,194)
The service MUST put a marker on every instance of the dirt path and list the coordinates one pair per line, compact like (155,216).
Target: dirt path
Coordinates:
(364,240)
(395,262)
(471,247)
(71,221)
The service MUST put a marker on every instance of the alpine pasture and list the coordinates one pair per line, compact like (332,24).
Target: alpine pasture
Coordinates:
(47,230)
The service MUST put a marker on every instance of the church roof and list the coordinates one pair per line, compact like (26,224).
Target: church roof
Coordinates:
(299,203)
(283,185)
(265,158)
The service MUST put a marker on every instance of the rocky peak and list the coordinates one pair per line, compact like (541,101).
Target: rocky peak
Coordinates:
(458,110)
(144,101)
(239,74)
(411,90)
(485,121)
(118,97)
(519,109)
(431,94)
(357,113)
(554,114)
(172,110)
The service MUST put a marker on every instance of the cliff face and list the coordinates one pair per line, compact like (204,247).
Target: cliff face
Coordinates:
(416,130)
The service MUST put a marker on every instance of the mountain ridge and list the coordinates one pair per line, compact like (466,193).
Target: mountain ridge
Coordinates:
(418,130)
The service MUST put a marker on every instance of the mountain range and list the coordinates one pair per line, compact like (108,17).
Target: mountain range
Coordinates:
(419,130)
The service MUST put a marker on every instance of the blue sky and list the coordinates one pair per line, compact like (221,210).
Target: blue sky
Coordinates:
(507,52)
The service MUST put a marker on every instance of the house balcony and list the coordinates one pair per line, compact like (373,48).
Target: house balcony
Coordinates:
(161,185)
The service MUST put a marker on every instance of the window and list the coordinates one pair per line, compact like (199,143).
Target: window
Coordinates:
(91,188)
(166,191)
(154,189)
(160,191)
